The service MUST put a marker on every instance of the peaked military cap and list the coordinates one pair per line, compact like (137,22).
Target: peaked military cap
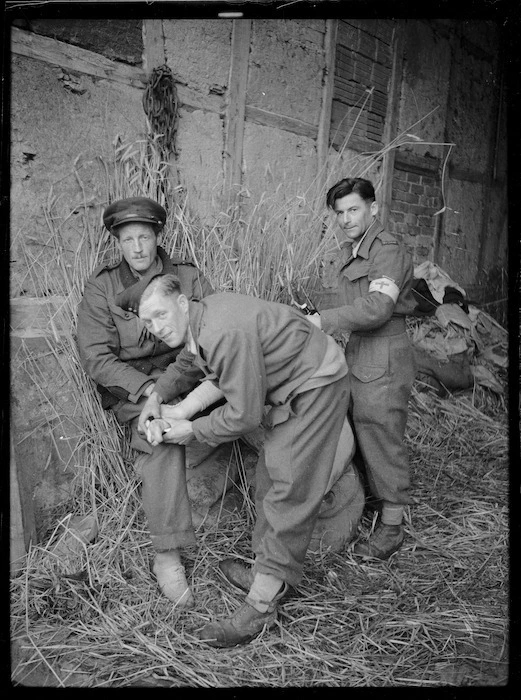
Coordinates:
(125,211)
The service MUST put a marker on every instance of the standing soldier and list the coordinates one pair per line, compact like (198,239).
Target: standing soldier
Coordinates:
(371,274)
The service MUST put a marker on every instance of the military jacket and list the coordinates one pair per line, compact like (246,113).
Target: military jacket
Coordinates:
(116,350)
(352,283)
(258,352)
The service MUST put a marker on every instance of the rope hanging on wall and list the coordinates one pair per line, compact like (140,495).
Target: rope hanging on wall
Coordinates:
(161,107)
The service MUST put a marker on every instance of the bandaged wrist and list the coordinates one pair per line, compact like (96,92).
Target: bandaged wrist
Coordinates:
(204,395)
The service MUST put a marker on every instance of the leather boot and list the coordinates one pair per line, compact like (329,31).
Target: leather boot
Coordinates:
(237,573)
(385,540)
(241,576)
(243,626)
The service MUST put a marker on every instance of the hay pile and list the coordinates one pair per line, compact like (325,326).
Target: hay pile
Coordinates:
(436,614)
(90,615)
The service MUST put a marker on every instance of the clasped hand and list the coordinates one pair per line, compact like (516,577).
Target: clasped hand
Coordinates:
(172,427)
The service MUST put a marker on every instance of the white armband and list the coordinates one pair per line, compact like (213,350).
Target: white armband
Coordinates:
(385,286)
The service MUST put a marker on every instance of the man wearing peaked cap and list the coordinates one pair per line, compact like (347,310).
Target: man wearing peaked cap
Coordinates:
(125,361)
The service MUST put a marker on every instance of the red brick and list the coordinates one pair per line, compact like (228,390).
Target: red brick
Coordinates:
(428,181)
(407,197)
(401,187)
(399,175)
(417,189)
(413,177)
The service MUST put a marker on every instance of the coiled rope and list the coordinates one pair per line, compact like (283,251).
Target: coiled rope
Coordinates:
(161,107)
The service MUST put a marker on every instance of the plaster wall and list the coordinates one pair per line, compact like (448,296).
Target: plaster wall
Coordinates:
(276,160)
(425,85)
(198,53)
(286,67)
(460,243)
(471,109)
(65,130)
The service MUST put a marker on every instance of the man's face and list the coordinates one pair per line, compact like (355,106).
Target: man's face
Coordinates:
(166,317)
(354,215)
(138,244)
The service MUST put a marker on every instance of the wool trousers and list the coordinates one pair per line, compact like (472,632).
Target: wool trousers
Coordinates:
(381,374)
(164,493)
(292,477)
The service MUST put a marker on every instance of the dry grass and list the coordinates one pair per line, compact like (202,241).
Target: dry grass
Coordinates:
(435,615)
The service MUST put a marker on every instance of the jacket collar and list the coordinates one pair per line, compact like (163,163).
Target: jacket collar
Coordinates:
(367,241)
(128,277)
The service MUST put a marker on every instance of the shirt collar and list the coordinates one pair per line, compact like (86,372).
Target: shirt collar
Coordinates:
(363,245)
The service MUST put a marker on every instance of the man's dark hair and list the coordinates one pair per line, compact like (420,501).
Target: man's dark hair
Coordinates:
(358,185)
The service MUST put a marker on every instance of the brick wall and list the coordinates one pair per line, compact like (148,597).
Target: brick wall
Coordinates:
(416,197)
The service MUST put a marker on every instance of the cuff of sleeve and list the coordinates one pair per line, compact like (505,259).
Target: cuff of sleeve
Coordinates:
(134,398)
(200,435)
(329,321)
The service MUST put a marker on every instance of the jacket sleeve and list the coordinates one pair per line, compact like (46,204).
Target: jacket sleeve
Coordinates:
(180,377)
(372,309)
(99,347)
(238,362)
(366,313)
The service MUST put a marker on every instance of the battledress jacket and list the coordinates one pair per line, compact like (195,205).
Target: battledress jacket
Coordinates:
(349,279)
(116,351)
(258,353)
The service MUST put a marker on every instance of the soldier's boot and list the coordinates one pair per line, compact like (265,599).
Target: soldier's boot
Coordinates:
(385,541)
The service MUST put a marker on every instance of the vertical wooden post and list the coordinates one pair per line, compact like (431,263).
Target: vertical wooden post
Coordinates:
(154,44)
(21,519)
(391,118)
(154,55)
(238,81)
(324,125)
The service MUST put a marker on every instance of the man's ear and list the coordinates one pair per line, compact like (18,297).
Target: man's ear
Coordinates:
(374,208)
(182,300)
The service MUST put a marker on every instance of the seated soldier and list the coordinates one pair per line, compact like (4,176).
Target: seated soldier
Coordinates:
(125,361)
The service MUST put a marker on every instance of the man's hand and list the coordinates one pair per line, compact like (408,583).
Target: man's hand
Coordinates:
(180,433)
(155,430)
(151,410)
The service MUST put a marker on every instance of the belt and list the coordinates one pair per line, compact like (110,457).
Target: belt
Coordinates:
(394,326)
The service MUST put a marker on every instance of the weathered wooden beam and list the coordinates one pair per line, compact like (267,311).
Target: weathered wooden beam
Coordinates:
(390,126)
(74,58)
(22,529)
(236,104)
(328,83)
(65,55)
(280,121)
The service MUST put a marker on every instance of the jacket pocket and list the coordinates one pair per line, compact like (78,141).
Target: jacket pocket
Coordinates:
(356,270)
(365,373)
(129,328)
